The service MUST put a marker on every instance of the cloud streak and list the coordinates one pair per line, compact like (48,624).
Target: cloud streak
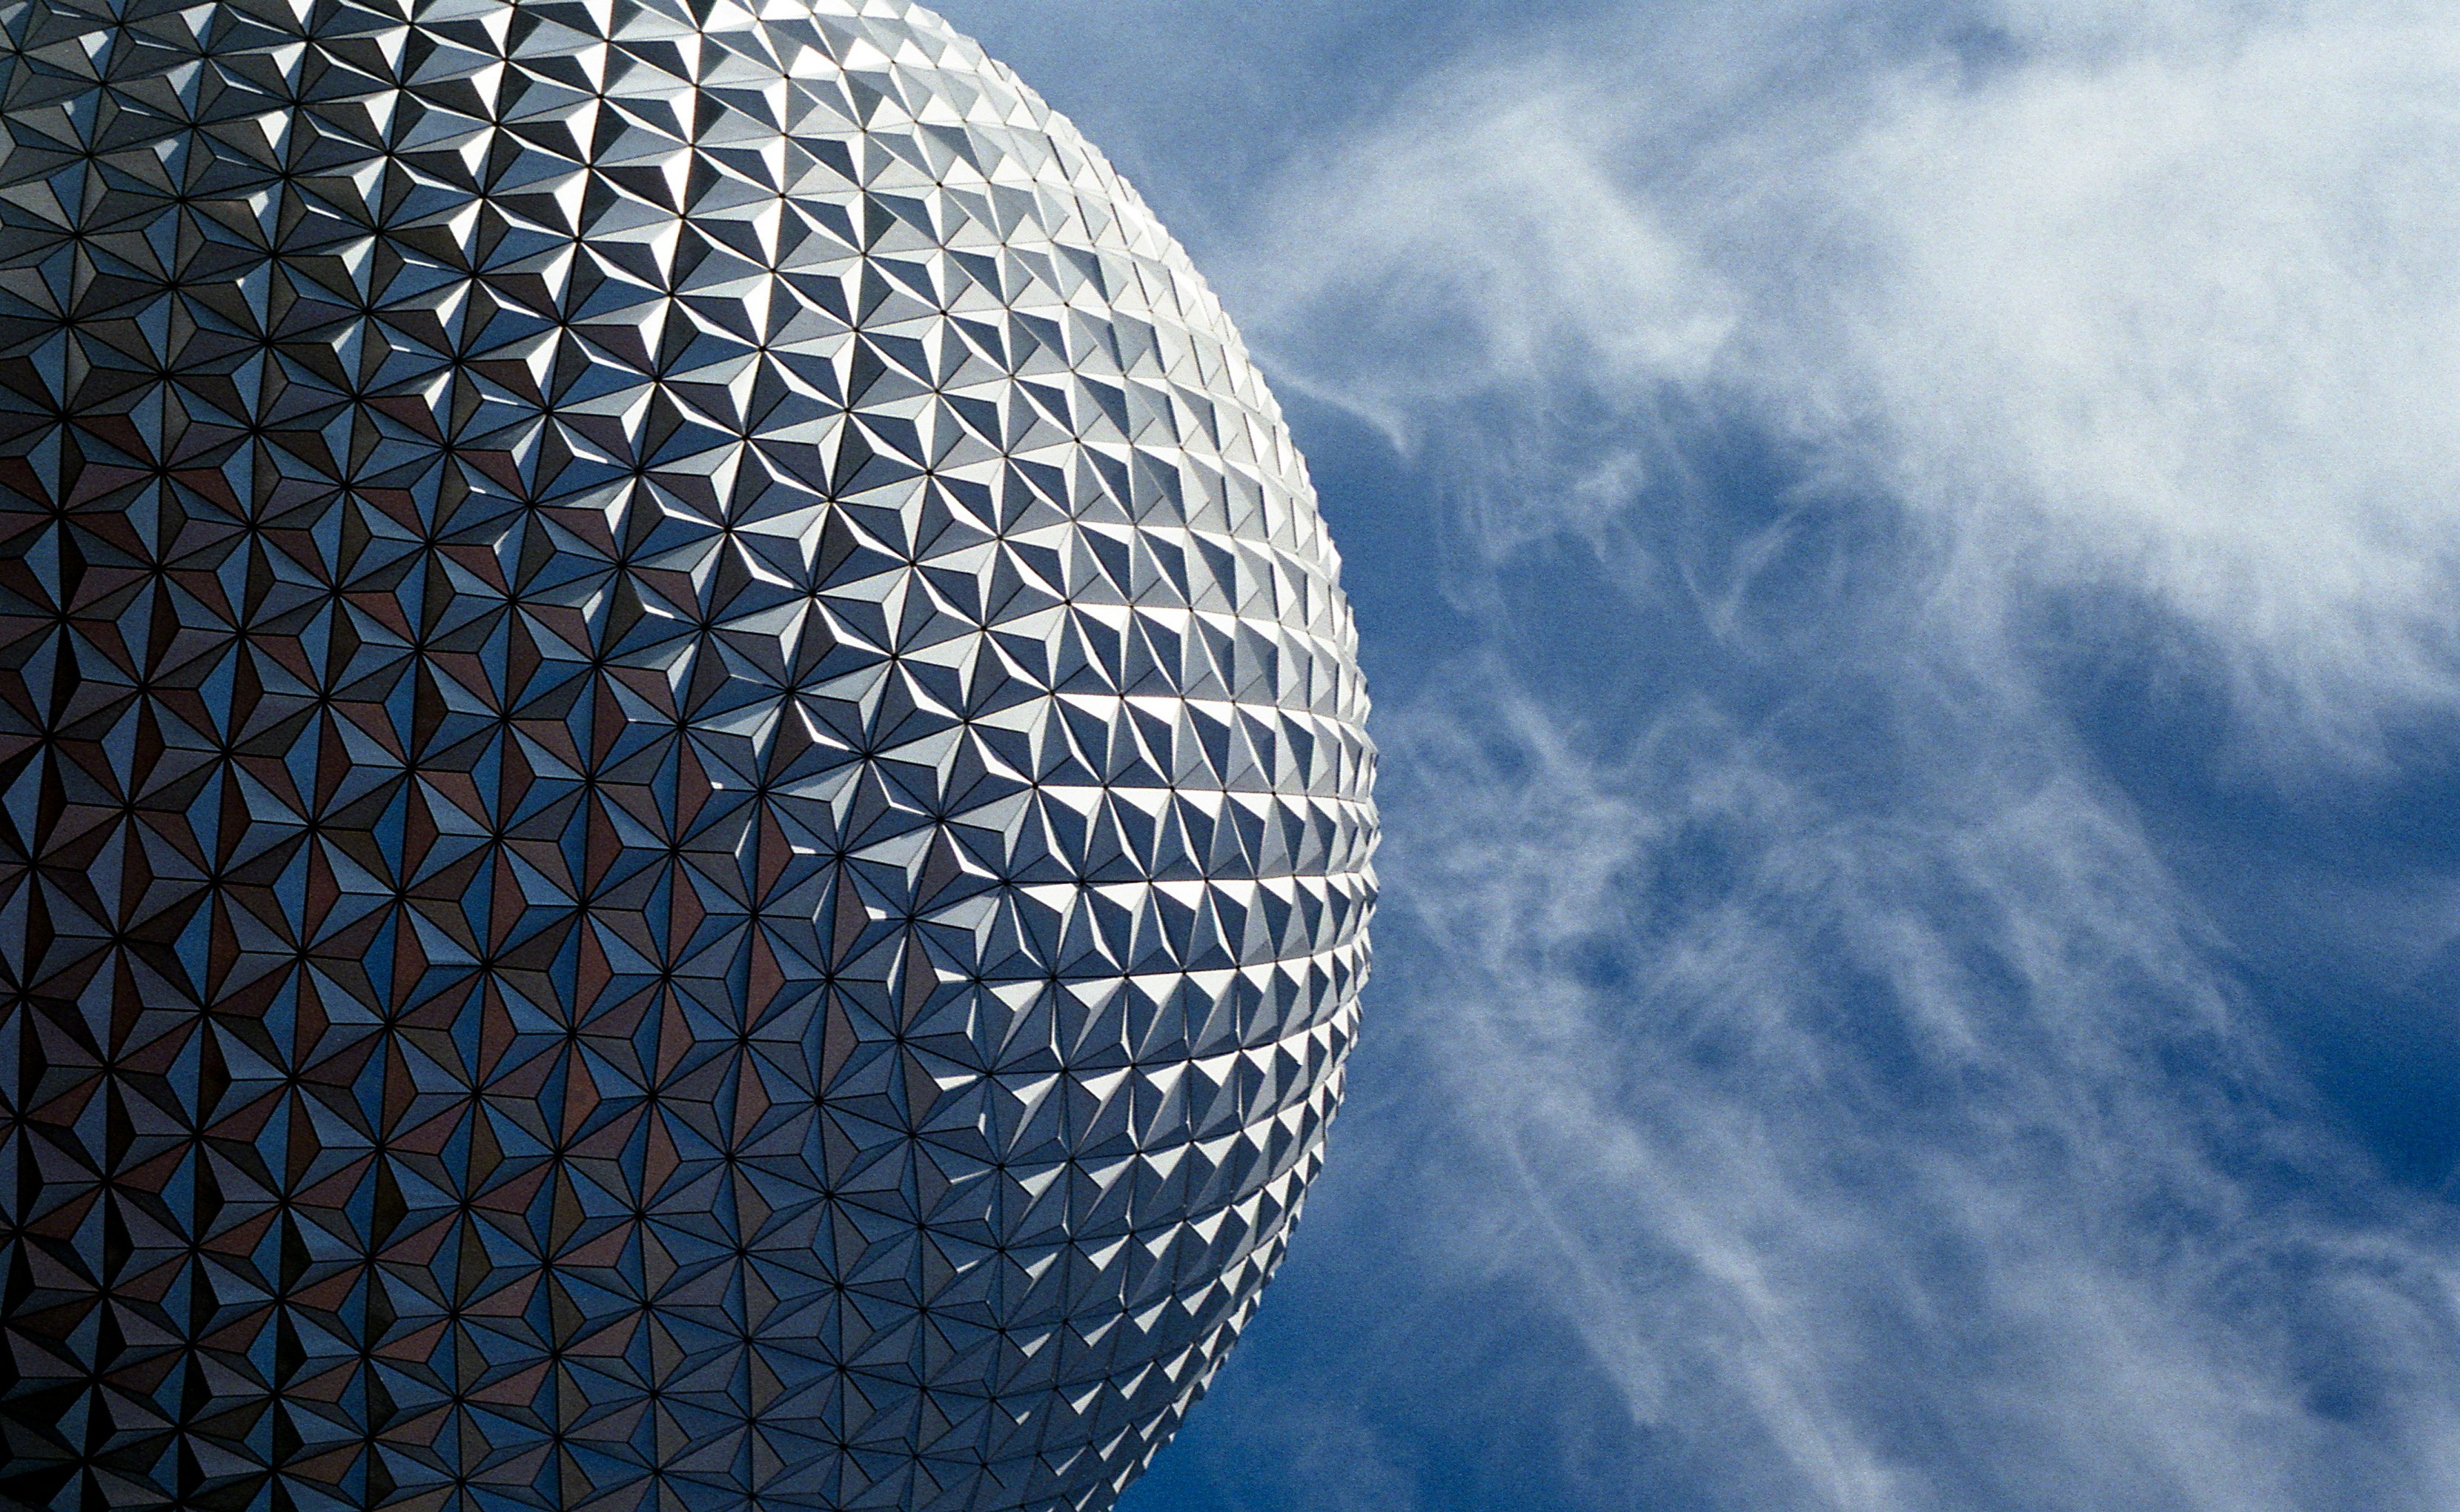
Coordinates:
(1829,1040)
(2159,304)
(1914,1158)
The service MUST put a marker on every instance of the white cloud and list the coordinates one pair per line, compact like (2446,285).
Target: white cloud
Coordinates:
(2158,298)
(2187,321)
(1896,1161)
(1915,1148)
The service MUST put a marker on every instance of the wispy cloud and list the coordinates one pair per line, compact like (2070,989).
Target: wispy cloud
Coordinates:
(2156,298)
(1907,1157)
(1835,1047)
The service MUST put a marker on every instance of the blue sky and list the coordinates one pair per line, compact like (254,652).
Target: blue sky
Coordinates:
(1907,558)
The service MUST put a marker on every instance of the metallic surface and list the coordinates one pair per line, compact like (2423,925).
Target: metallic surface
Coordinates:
(684,820)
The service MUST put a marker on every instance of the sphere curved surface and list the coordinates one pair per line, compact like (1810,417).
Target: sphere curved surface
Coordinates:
(685,820)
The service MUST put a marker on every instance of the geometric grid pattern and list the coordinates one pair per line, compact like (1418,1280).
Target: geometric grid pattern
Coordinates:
(683,811)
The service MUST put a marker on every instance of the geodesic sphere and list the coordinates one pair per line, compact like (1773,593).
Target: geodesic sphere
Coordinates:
(684,820)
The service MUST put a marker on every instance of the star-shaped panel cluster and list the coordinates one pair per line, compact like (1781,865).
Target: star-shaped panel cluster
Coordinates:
(684,814)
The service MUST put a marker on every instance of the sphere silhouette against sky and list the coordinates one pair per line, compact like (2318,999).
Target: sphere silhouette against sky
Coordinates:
(683,813)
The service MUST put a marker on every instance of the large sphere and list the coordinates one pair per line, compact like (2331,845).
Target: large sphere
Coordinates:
(683,813)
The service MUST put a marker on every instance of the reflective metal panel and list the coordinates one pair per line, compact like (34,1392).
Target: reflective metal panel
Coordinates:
(684,819)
